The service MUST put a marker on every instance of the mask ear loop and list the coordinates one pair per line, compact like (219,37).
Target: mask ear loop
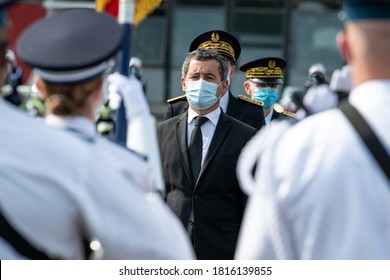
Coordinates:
(228,77)
(218,98)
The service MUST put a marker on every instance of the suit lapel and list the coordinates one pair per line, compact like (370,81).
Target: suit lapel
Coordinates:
(221,131)
(185,107)
(181,139)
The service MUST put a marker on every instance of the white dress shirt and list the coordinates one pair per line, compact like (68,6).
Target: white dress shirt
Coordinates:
(318,193)
(208,128)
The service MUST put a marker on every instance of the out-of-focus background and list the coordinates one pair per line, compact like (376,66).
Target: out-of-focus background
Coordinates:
(301,31)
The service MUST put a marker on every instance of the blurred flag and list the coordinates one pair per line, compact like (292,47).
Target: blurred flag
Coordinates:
(109,6)
(142,8)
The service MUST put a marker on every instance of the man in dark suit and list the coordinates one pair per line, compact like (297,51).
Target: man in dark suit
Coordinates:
(241,108)
(264,77)
(210,204)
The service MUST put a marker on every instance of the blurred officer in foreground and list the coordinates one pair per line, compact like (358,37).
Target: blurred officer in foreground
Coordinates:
(71,100)
(264,77)
(201,182)
(57,186)
(328,198)
(241,108)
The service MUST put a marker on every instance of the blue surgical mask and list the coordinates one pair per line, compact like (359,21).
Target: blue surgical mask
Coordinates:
(267,95)
(228,78)
(201,94)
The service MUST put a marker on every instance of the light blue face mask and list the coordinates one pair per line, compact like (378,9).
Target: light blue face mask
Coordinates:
(201,94)
(228,78)
(267,95)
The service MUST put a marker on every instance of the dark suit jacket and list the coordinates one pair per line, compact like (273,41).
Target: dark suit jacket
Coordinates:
(211,209)
(241,110)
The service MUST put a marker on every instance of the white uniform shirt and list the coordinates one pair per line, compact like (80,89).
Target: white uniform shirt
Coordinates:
(53,185)
(318,192)
(132,165)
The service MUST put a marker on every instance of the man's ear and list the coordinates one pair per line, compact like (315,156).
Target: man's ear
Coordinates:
(247,87)
(183,84)
(225,85)
(343,45)
(233,70)
(40,87)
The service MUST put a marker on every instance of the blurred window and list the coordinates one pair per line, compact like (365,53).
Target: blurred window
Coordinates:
(313,40)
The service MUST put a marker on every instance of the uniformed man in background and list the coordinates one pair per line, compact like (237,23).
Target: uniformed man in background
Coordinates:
(57,186)
(241,108)
(264,77)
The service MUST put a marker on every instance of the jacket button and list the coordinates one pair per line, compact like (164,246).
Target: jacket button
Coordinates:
(196,196)
(190,222)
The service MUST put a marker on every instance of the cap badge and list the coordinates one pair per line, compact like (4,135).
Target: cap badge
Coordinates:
(215,37)
(271,64)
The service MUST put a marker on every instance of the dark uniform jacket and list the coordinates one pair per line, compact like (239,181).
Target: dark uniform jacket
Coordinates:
(243,110)
(212,208)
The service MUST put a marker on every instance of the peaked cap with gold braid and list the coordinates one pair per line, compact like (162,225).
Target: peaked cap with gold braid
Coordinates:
(221,41)
(267,70)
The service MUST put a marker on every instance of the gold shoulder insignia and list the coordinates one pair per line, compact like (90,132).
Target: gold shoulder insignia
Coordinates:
(278,108)
(250,100)
(177,98)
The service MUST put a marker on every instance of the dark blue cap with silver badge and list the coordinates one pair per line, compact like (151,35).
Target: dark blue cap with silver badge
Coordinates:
(355,10)
(71,46)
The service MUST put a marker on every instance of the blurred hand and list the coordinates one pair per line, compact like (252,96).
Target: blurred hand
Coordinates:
(341,79)
(128,89)
(320,98)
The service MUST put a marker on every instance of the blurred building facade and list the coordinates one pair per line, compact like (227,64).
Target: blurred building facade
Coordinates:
(301,31)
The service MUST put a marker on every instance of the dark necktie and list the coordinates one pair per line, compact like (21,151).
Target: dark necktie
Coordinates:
(196,146)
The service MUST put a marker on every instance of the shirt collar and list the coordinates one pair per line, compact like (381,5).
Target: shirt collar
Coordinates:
(79,124)
(268,118)
(212,116)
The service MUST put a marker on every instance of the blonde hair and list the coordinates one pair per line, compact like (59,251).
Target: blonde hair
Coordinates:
(68,99)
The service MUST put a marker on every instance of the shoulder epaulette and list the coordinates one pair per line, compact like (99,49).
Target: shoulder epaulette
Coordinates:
(250,100)
(278,108)
(178,98)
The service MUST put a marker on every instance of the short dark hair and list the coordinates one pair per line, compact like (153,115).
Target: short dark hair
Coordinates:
(202,55)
